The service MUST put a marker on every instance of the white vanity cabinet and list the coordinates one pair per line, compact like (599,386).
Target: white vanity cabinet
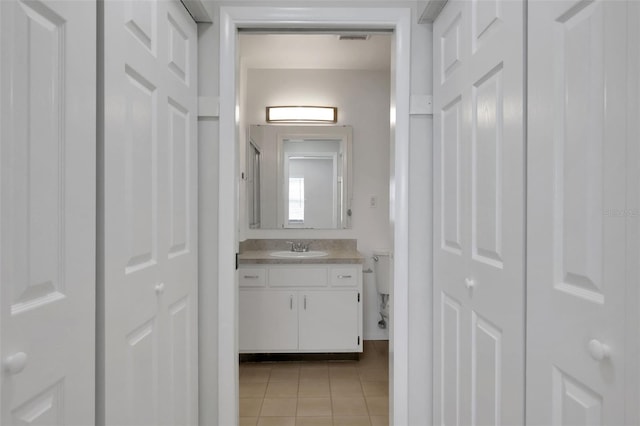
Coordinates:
(268,319)
(300,308)
(328,321)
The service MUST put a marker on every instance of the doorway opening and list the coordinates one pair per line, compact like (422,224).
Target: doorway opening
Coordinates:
(231,20)
(315,182)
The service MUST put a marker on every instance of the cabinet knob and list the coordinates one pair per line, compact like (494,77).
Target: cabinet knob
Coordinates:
(15,363)
(598,350)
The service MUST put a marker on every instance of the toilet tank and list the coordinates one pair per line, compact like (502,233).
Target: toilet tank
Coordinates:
(383,270)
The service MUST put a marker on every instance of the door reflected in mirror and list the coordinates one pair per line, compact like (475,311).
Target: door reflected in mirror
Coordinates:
(299,177)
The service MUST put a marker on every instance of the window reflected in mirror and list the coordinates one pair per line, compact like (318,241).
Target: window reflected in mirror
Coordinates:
(296,201)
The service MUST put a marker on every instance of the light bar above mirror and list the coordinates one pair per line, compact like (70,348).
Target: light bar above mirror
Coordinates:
(302,114)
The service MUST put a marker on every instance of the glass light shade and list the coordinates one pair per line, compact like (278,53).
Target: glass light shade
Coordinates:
(302,114)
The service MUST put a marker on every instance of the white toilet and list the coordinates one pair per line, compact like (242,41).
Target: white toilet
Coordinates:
(383,272)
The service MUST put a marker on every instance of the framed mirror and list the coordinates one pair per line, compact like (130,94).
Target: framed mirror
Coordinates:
(299,177)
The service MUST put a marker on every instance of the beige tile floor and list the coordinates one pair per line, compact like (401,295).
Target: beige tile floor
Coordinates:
(318,393)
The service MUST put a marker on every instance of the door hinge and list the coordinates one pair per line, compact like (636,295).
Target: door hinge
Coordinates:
(358,340)
(358,297)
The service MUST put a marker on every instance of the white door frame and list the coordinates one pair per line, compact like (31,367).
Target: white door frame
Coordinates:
(232,18)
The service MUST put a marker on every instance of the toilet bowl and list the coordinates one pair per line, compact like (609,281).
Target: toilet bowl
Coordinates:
(383,272)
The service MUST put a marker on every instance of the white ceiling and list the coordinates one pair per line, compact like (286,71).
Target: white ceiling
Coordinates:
(314,51)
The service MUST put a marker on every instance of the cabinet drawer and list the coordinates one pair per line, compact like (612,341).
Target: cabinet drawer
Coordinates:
(344,277)
(298,277)
(252,277)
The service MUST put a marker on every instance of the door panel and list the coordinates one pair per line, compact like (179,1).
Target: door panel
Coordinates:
(579,166)
(578,174)
(450,368)
(141,374)
(140,163)
(486,372)
(478,214)
(328,320)
(179,167)
(486,17)
(180,362)
(574,402)
(46,408)
(268,320)
(450,189)
(486,168)
(47,211)
(150,202)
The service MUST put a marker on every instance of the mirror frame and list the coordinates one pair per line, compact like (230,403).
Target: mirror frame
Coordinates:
(342,132)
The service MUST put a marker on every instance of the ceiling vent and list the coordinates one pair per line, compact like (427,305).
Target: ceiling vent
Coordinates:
(361,37)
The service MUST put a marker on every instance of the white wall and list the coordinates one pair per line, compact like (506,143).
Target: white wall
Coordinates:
(362,98)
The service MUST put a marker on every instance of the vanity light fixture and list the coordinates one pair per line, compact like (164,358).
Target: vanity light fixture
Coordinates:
(302,114)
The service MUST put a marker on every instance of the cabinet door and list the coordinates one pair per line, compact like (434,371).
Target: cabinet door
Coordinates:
(328,321)
(268,321)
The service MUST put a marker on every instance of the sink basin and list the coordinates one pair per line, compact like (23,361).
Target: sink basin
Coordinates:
(298,254)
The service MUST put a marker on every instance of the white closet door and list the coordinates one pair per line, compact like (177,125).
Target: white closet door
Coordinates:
(479,214)
(47,213)
(150,206)
(578,215)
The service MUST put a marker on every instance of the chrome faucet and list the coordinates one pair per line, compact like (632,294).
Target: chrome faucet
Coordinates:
(298,246)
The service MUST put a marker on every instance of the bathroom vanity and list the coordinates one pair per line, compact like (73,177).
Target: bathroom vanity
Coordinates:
(300,304)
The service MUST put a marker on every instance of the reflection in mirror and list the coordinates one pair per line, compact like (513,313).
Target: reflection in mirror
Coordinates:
(299,177)
(311,192)
(253,185)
